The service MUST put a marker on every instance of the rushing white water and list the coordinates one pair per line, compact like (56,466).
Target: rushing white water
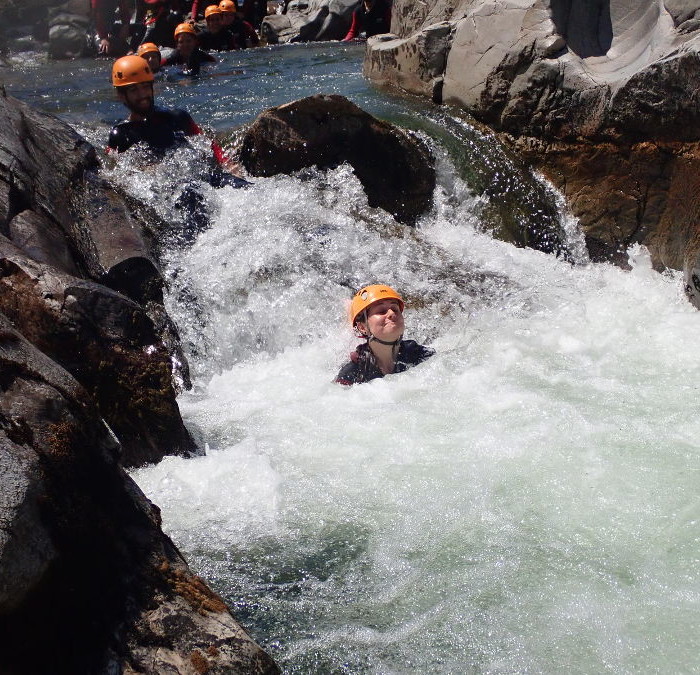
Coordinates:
(524,501)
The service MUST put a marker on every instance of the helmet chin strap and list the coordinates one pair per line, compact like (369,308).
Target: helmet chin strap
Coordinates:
(393,343)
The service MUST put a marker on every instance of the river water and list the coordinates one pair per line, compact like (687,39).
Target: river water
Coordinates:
(524,501)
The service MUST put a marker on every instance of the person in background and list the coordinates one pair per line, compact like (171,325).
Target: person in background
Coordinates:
(244,35)
(158,22)
(151,53)
(187,52)
(376,314)
(372,17)
(215,37)
(112,36)
(199,7)
(254,11)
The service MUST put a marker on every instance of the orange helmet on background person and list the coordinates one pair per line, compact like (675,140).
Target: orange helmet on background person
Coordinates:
(211,9)
(131,69)
(147,48)
(228,6)
(185,28)
(368,295)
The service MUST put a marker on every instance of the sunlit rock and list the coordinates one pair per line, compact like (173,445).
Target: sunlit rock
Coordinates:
(395,168)
(601,97)
(309,20)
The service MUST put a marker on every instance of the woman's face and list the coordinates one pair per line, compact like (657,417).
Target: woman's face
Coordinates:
(384,320)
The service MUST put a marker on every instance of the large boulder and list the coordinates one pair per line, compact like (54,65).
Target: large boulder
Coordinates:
(394,167)
(88,581)
(309,20)
(600,96)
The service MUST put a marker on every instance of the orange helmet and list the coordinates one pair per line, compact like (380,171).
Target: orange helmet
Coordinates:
(228,6)
(147,48)
(212,9)
(131,70)
(185,28)
(368,295)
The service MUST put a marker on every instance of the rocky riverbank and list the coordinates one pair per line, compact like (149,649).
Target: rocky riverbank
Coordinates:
(88,580)
(601,98)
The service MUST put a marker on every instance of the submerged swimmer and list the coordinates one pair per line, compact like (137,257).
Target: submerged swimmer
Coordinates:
(150,52)
(376,313)
(160,130)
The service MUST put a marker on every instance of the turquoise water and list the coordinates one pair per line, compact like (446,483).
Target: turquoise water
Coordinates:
(524,502)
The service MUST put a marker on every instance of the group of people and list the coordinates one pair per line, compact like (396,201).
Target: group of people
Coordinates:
(161,23)
(376,311)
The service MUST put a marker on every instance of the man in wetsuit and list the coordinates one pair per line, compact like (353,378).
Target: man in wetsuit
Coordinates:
(376,313)
(112,36)
(215,36)
(161,129)
(187,51)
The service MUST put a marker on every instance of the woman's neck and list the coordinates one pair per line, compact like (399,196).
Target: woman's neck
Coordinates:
(384,356)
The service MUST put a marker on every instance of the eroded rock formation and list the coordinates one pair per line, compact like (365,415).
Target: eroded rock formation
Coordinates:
(88,581)
(395,168)
(79,281)
(601,96)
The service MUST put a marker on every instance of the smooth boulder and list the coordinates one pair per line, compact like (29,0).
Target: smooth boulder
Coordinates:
(395,168)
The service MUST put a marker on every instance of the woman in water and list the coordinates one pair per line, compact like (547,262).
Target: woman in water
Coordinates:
(376,314)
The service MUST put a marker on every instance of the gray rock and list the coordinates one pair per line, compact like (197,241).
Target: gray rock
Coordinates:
(395,168)
(309,20)
(42,240)
(26,549)
(599,96)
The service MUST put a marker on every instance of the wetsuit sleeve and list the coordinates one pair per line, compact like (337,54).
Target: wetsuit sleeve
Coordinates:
(125,11)
(251,34)
(349,374)
(413,353)
(354,27)
(195,10)
(102,16)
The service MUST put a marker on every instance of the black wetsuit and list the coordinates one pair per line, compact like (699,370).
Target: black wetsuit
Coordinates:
(363,366)
(193,63)
(220,42)
(161,130)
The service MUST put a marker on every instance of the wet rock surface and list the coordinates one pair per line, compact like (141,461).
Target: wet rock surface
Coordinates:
(395,168)
(601,97)
(88,581)
(309,20)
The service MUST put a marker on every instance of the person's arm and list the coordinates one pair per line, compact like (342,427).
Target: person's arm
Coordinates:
(195,10)
(250,35)
(191,128)
(354,27)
